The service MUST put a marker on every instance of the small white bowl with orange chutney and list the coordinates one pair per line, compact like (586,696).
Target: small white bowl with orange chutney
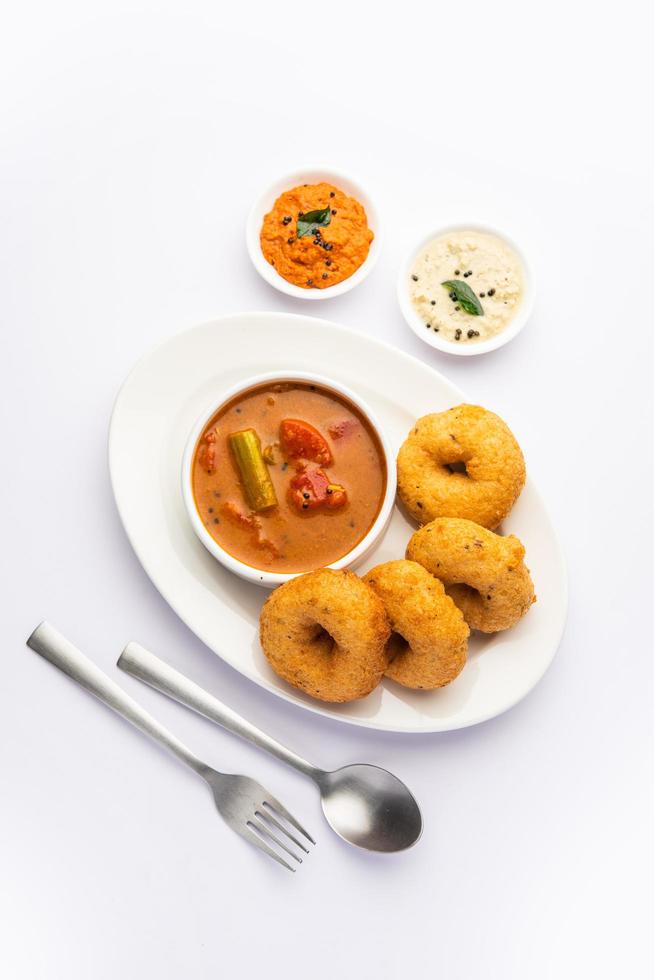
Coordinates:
(285,473)
(314,234)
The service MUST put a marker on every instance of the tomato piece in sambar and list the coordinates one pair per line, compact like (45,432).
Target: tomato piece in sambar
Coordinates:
(300,440)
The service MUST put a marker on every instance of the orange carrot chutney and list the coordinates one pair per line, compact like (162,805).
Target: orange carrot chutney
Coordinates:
(315,236)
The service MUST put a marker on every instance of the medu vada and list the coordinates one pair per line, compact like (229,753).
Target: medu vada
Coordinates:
(483,572)
(325,633)
(464,462)
(429,642)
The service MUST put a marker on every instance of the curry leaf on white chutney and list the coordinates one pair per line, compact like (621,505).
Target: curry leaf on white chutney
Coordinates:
(462,293)
(307,224)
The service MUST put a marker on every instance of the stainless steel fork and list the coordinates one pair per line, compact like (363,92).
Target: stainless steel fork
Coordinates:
(244,804)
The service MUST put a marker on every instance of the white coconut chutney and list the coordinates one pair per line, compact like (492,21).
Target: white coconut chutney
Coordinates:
(482,261)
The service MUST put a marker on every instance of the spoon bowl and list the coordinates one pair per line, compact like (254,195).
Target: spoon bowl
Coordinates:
(370,807)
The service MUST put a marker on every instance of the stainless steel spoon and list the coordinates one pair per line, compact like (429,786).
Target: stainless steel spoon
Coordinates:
(365,805)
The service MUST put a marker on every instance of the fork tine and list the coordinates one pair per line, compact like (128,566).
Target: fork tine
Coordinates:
(262,828)
(272,803)
(253,838)
(266,814)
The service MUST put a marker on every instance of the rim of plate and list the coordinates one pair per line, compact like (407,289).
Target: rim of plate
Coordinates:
(289,696)
(417,324)
(263,204)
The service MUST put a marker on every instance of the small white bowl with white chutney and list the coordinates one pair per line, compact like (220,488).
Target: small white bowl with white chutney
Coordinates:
(466,289)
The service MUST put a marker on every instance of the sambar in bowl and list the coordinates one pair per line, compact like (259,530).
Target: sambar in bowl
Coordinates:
(288,473)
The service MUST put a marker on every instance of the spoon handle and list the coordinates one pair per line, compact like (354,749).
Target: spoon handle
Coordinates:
(52,646)
(140,663)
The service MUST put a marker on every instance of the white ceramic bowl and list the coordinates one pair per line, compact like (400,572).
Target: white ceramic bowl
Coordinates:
(257,575)
(310,175)
(417,323)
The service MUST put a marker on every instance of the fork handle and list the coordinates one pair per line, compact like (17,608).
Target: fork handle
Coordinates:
(139,662)
(50,644)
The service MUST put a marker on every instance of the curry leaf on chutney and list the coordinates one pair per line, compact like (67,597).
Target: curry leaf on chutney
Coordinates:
(307,224)
(464,295)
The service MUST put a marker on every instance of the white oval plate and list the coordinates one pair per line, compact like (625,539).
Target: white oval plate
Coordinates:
(154,412)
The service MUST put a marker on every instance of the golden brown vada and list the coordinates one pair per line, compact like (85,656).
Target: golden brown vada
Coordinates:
(483,572)
(430,636)
(464,462)
(325,632)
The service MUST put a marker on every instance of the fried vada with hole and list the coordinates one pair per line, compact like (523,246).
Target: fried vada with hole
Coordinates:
(464,462)
(325,633)
(430,637)
(483,572)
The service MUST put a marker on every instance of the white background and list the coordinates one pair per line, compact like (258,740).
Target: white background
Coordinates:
(133,138)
